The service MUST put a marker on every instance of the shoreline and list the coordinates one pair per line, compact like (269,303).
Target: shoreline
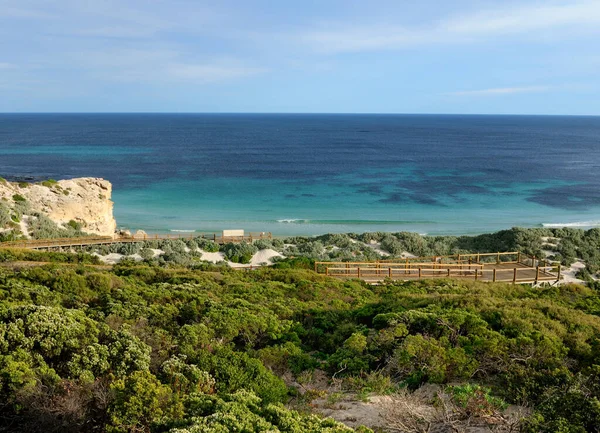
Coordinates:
(294,233)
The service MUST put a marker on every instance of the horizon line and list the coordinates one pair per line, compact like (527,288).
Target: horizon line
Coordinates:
(299,113)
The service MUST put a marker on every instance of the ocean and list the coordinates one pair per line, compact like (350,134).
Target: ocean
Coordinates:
(306,174)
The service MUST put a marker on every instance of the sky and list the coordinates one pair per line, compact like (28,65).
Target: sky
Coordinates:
(303,56)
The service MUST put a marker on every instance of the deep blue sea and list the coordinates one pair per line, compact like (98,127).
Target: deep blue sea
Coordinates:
(312,174)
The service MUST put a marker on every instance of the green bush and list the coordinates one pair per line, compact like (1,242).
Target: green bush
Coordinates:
(140,401)
(239,252)
(4,215)
(174,347)
(262,244)
(49,183)
(18,197)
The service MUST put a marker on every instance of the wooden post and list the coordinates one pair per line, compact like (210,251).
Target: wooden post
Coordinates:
(494,276)
(390,272)
(477,257)
(498,258)
(476,273)
(448,272)
(327,271)
(533,261)
(358,271)
(419,272)
(537,274)
(515,276)
(558,278)
(519,257)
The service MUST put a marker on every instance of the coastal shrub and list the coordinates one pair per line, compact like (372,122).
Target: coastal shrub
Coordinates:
(314,250)
(49,183)
(147,253)
(128,248)
(196,339)
(368,236)
(278,244)
(413,243)
(23,184)
(177,245)
(390,244)
(239,252)
(140,401)
(294,263)
(18,197)
(24,255)
(176,258)
(11,235)
(42,227)
(234,371)
(4,215)
(191,244)
(340,240)
(262,244)
(207,245)
(21,208)
(243,411)
(75,225)
(475,400)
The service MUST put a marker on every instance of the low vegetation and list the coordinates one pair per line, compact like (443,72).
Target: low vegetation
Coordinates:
(148,348)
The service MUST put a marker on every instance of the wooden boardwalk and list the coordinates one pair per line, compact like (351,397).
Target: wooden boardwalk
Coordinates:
(511,267)
(49,244)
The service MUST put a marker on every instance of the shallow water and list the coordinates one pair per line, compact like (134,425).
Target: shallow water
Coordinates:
(309,174)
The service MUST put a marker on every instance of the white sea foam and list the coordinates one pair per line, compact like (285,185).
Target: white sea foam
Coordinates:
(573,224)
(182,231)
(292,221)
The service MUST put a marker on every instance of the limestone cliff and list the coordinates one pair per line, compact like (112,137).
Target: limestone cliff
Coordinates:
(84,200)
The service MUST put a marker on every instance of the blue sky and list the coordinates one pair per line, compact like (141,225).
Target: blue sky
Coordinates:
(376,56)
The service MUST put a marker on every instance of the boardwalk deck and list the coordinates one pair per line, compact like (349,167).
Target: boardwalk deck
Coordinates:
(513,267)
(47,244)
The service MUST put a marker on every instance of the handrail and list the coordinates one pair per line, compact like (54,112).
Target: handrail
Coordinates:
(94,240)
(524,269)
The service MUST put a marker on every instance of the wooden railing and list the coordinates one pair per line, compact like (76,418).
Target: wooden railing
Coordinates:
(102,240)
(494,267)
(324,266)
(514,275)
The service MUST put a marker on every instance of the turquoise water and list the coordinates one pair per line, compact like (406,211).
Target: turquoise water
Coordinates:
(285,208)
(313,174)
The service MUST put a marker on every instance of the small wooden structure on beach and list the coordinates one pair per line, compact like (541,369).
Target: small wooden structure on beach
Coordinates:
(510,267)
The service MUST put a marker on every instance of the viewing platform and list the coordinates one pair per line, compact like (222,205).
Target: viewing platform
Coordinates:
(509,267)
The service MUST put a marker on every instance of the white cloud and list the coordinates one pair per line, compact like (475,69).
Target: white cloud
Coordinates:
(500,91)
(208,73)
(160,65)
(524,20)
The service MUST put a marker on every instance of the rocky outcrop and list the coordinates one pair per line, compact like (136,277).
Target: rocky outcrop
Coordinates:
(84,200)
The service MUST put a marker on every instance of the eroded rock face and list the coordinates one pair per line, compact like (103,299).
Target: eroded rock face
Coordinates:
(86,200)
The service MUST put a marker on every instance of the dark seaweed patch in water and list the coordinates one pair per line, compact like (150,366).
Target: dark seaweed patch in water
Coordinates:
(569,197)
(399,198)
